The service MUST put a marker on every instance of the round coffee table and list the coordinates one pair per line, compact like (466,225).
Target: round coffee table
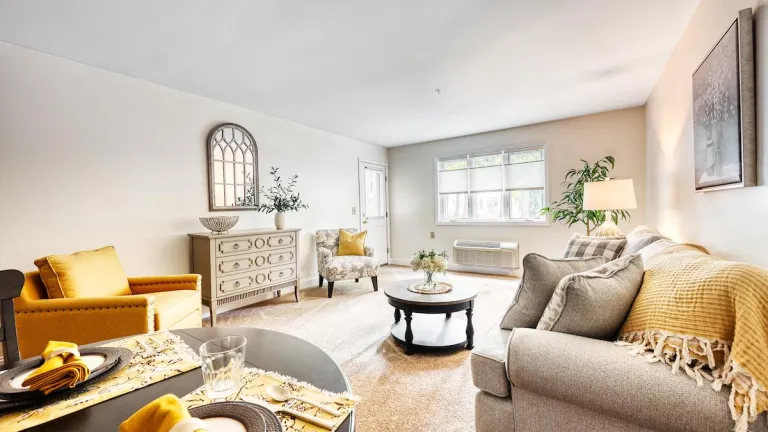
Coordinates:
(436,329)
(266,349)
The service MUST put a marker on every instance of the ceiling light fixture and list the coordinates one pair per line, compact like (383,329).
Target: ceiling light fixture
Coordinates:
(438,91)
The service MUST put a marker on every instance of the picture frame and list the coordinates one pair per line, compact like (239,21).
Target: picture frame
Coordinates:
(724,132)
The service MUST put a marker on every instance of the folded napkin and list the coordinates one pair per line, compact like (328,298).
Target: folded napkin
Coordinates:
(164,414)
(62,368)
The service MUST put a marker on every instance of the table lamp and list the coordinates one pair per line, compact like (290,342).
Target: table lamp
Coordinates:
(609,195)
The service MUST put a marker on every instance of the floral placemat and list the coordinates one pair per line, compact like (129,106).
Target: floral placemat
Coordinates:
(156,357)
(255,383)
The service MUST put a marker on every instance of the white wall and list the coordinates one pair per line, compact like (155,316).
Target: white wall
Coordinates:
(731,223)
(617,133)
(92,158)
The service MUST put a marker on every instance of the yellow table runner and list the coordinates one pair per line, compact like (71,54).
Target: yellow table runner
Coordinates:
(156,357)
(255,383)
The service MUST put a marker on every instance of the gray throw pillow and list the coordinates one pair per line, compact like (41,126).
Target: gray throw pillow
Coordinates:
(595,303)
(639,238)
(540,278)
(580,246)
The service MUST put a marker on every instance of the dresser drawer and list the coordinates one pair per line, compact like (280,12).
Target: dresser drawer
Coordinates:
(278,257)
(234,245)
(236,264)
(279,274)
(233,284)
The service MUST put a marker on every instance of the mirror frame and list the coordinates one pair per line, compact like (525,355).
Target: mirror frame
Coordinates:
(209,151)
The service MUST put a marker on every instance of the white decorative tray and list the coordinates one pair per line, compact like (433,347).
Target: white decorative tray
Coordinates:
(438,288)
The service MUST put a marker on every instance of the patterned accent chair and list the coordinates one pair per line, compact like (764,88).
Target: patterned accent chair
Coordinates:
(335,268)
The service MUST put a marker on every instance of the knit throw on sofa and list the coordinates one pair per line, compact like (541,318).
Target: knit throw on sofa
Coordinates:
(707,318)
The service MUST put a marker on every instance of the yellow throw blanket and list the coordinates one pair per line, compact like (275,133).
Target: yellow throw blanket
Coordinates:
(62,368)
(708,317)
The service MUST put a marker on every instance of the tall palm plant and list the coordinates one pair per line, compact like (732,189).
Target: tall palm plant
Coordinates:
(569,209)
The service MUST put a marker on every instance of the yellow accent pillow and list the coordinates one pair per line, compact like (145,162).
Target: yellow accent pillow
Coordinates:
(96,273)
(352,244)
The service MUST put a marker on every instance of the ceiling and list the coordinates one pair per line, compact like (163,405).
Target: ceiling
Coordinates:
(368,69)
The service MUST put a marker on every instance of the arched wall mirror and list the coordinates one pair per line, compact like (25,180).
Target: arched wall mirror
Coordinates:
(233,168)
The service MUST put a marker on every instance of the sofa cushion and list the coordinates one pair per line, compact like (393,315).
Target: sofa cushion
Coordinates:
(594,303)
(639,238)
(95,273)
(604,378)
(174,306)
(489,372)
(580,246)
(540,278)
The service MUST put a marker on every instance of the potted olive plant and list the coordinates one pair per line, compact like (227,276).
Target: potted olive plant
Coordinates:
(569,209)
(281,198)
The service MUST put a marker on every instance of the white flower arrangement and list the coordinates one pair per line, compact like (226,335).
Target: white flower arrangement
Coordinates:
(430,262)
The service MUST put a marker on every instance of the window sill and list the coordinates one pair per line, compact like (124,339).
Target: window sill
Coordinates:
(492,223)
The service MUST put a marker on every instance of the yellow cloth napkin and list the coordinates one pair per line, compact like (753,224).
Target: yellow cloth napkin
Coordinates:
(164,414)
(62,368)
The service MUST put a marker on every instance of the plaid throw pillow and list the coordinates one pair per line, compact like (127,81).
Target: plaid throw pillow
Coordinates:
(580,246)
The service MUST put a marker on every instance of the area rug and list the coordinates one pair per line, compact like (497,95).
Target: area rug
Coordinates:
(422,392)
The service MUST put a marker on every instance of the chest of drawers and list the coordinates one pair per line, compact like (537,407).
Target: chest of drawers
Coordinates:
(245,267)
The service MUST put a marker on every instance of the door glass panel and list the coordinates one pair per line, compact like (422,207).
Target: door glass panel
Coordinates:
(374,193)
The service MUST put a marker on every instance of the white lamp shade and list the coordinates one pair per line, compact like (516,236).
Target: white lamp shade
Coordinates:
(609,195)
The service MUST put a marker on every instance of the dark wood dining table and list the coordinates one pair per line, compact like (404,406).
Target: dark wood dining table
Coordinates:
(266,349)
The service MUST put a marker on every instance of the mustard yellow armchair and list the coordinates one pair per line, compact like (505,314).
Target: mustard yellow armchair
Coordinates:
(155,303)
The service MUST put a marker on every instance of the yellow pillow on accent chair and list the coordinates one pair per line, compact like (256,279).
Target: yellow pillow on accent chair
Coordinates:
(95,273)
(351,244)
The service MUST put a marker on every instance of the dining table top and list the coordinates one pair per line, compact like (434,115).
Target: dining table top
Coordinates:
(266,349)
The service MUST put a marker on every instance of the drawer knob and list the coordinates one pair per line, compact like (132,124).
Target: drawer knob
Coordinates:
(280,241)
(237,284)
(281,274)
(236,246)
(281,258)
(237,265)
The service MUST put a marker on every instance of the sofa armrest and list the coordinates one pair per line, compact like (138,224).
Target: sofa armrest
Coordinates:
(82,320)
(369,251)
(154,284)
(603,377)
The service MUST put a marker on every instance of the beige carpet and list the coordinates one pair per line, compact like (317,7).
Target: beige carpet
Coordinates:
(422,392)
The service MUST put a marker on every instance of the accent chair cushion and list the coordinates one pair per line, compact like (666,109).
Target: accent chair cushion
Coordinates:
(174,306)
(580,246)
(540,278)
(594,303)
(95,273)
(351,244)
(350,267)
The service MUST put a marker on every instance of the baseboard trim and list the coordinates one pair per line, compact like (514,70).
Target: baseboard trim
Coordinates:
(467,269)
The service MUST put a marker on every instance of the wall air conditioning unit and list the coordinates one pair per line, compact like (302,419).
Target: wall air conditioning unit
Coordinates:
(486,253)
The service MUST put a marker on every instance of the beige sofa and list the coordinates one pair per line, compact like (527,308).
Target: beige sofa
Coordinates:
(534,381)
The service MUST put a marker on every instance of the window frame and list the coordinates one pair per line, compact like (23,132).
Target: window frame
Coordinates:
(508,222)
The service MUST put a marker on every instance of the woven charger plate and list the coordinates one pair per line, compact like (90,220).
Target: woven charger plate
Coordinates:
(440,288)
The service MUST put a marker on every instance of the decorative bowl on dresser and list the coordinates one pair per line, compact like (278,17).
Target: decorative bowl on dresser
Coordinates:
(244,267)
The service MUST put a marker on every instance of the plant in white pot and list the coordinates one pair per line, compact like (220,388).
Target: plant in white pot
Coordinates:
(281,198)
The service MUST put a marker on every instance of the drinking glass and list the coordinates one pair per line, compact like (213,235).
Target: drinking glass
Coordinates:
(222,365)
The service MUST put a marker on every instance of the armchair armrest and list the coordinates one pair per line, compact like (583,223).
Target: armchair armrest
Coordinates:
(81,320)
(323,256)
(154,284)
(369,251)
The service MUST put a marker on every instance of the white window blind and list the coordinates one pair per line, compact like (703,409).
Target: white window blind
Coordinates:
(494,186)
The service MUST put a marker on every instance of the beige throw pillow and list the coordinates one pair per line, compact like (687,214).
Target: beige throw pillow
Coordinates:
(540,278)
(595,303)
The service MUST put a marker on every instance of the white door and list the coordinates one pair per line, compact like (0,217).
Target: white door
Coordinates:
(374,214)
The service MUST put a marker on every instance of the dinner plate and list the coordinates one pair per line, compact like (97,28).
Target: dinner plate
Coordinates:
(236,416)
(119,357)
